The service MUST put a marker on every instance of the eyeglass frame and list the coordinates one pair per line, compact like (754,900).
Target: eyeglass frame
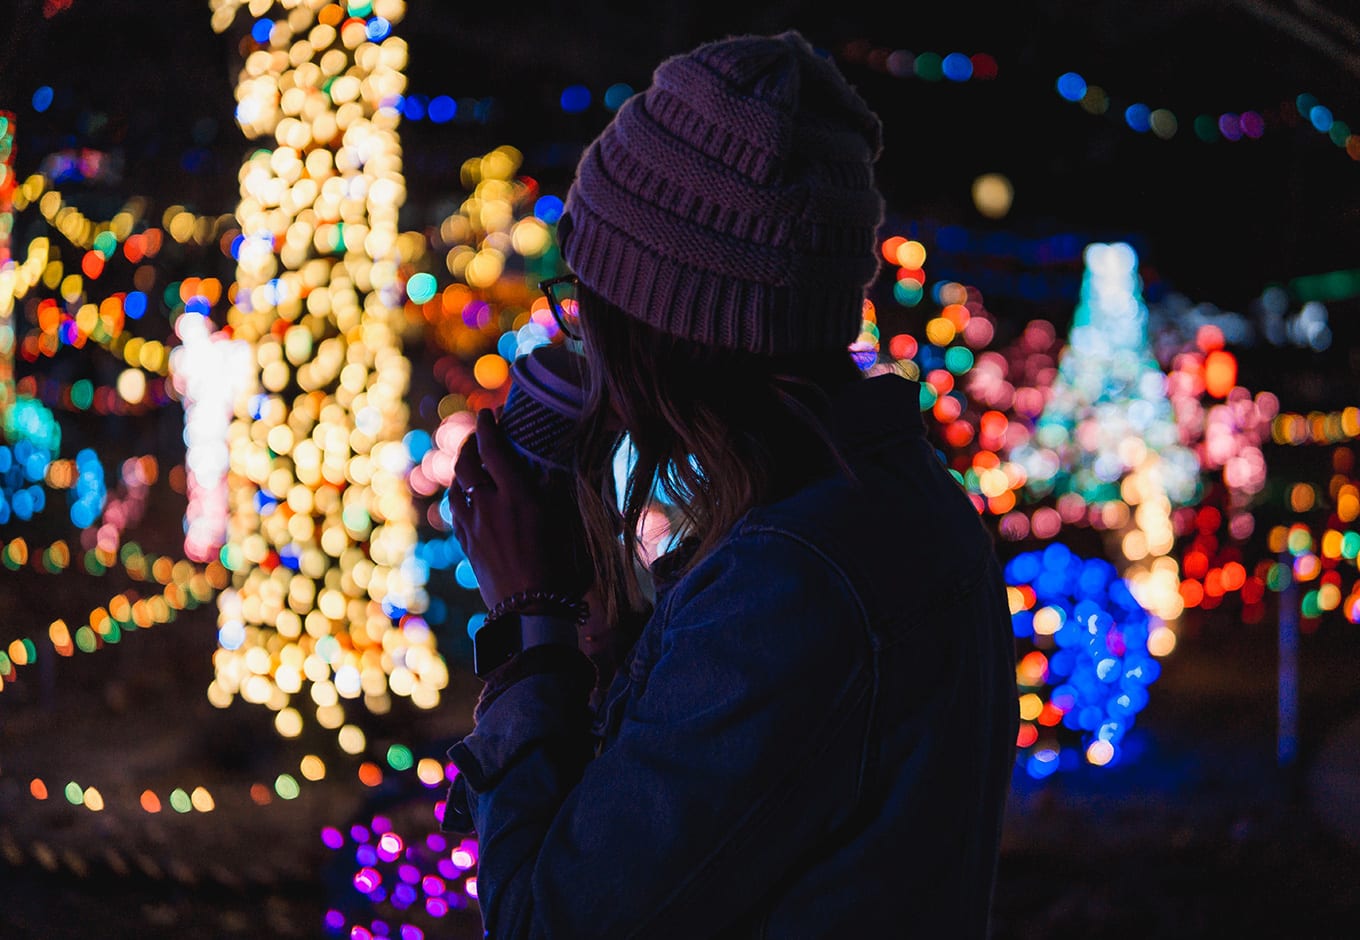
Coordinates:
(555,306)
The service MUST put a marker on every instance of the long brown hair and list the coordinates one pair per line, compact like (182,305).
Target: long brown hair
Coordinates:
(719,431)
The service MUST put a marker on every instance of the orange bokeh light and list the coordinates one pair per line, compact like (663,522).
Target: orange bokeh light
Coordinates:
(891,247)
(1220,373)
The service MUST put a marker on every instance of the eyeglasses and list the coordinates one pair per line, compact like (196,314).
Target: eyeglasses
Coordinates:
(562,301)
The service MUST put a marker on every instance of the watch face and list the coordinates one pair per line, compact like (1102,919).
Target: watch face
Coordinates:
(494,644)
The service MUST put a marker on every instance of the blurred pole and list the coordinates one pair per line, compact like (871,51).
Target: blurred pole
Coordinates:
(47,674)
(1287,732)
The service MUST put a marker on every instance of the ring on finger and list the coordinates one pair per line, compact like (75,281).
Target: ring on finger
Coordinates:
(468,490)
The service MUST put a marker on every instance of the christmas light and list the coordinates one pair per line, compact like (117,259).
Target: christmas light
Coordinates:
(210,372)
(322,530)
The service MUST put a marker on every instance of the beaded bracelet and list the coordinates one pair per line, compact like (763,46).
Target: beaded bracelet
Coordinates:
(573,608)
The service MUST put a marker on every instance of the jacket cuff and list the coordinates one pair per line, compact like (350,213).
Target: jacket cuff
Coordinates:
(547,701)
(458,808)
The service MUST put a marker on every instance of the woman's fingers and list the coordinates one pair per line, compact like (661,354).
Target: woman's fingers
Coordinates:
(460,507)
(468,469)
(495,452)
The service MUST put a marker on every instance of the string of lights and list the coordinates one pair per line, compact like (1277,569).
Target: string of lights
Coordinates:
(1160,122)
(133,394)
(82,232)
(287,786)
(125,613)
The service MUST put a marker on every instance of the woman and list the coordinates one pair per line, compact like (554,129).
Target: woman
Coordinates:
(813,734)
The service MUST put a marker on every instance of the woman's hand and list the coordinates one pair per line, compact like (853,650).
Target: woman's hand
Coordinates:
(515,537)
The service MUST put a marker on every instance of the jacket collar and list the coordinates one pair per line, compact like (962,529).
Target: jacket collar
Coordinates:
(867,416)
(876,412)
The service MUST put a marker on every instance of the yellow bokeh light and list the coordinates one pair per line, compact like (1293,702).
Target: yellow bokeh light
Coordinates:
(1329,597)
(484,268)
(352,740)
(1161,641)
(313,767)
(1348,504)
(131,386)
(940,331)
(18,653)
(911,254)
(430,771)
(288,723)
(1135,545)
(491,371)
(1099,753)
(1047,621)
(530,237)
(993,195)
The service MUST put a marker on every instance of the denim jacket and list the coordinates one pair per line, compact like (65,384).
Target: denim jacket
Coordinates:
(812,737)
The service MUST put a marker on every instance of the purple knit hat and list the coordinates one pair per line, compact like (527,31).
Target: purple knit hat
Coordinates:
(733,203)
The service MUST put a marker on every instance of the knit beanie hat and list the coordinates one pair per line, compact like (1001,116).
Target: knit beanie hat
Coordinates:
(733,203)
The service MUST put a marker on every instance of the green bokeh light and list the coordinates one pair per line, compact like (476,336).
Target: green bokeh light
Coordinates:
(958,359)
(287,787)
(399,757)
(422,287)
(929,66)
(86,640)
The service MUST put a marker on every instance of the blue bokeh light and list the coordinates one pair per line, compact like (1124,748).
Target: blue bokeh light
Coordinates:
(1090,651)
(443,109)
(378,29)
(413,107)
(134,305)
(1071,86)
(418,444)
(465,576)
(615,95)
(575,99)
(548,209)
(957,67)
(1139,117)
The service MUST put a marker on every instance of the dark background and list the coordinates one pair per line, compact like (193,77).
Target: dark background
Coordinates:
(1199,834)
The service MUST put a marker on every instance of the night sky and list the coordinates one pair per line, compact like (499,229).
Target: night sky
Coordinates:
(1220,220)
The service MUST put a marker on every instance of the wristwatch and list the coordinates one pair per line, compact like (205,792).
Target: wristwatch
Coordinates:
(495,643)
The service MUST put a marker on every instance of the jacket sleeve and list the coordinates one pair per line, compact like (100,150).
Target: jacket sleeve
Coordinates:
(743,746)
